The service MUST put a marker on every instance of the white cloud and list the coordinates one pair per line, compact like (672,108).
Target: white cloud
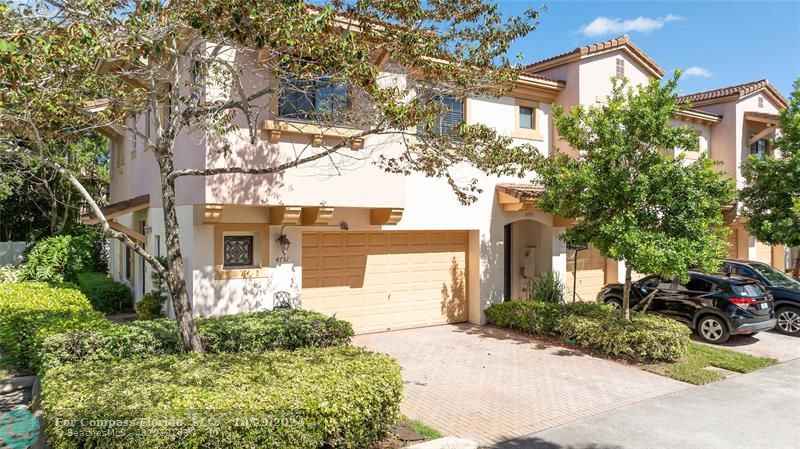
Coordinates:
(602,26)
(698,71)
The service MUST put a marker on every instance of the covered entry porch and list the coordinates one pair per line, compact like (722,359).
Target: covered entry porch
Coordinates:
(532,245)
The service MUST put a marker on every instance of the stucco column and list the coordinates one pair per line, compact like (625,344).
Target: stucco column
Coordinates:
(621,268)
(559,255)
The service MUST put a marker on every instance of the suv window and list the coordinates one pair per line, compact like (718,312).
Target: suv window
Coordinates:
(742,271)
(747,290)
(699,285)
(652,282)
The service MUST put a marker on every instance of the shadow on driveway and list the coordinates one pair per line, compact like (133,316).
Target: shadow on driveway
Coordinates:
(538,443)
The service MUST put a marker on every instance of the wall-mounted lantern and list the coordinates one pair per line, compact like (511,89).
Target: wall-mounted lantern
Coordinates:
(284,242)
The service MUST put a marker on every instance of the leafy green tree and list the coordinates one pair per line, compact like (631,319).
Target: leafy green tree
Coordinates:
(659,214)
(206,70)
(771,196)
(37,202)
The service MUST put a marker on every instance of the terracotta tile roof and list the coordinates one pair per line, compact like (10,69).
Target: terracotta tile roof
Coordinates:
(586,50)
(544,78)
(739,91)
(522,191)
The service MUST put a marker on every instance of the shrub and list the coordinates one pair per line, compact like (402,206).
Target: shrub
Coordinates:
(267,331)
(150,306)
(108,345)
(644,338)
(596,326)
(104,293)
(58,259)
(546,287)
(256,332)
(533,317)
(31,311)
(334,397)
(9,274)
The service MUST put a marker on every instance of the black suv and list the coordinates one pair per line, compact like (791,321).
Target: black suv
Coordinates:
(785,291)
(714,305)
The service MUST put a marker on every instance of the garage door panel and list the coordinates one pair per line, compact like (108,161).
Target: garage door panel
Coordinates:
(590,274)
(387,280)
(733,244)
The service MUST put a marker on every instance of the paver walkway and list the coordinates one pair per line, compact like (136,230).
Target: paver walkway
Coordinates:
(758,410)
(490,384)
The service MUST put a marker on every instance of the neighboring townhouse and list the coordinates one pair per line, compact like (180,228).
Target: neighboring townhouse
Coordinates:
(387,251)
(748,121)
(731,123)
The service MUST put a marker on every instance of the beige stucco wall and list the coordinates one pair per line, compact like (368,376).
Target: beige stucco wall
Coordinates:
(704,138)
(596,72)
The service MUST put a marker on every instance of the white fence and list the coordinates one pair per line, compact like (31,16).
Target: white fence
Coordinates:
(11,252)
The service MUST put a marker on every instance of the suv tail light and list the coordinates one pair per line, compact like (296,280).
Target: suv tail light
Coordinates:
(743,303)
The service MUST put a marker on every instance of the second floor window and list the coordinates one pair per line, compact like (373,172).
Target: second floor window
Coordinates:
(450,118)
(312,99)
(760,148)
(620,68)
(526,120)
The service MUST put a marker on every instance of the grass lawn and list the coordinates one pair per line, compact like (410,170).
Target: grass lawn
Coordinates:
(691,368)
(428,432)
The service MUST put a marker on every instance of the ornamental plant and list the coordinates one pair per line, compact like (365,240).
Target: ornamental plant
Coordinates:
(631,198)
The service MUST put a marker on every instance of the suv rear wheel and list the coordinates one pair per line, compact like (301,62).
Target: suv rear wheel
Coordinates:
(614,302)
(712,329)
(788,320)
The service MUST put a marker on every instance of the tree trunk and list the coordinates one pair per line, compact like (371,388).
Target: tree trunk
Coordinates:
(176,280)
(796,270)
(626,294)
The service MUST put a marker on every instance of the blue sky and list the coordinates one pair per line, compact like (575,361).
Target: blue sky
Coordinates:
(727,42)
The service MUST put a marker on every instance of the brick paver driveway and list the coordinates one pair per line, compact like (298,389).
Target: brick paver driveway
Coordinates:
(491,385)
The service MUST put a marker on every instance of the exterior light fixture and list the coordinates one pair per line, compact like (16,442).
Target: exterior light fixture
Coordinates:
(285,244)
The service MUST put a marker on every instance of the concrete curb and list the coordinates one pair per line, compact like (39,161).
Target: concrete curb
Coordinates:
(17,383)
(446,443)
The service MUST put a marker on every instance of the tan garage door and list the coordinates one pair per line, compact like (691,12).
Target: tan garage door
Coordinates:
(590,274)
(386,280)
(733,244)
(763,252)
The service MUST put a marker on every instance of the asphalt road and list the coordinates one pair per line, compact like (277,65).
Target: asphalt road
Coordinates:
(748,411)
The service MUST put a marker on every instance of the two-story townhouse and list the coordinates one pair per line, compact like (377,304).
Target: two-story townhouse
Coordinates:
(731,123)
(748,121)
(383,251)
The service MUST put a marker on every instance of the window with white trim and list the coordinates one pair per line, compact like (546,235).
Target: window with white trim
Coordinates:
(620,68)
(312,98)
(452,116)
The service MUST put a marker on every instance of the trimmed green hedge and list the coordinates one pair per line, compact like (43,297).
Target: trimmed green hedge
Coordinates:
(31,311)
(596,326)
(104,293)
(533,317)
(645,338)
(307,399)
(254,332)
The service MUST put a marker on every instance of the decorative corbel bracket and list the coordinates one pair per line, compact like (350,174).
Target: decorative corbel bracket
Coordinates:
(317,215)
(385,216)
(285,215)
